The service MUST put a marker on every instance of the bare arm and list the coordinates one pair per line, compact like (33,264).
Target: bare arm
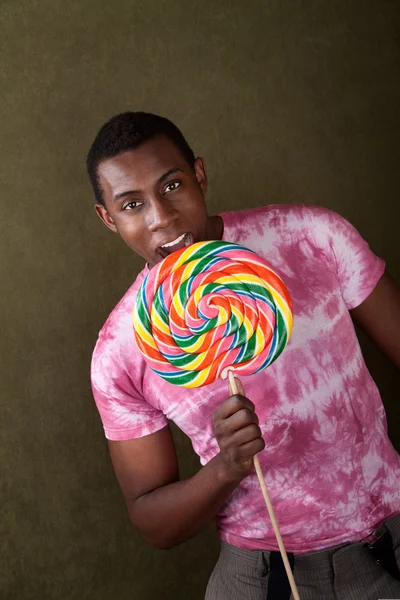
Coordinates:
(379,317)
(167,511)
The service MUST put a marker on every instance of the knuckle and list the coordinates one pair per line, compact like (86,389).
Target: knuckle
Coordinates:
(219,429)
(248,403)
(222,446)
(247,415)
(234,455)
(254,430)
(236,402)
(214,418)
(216,428)
(261,444)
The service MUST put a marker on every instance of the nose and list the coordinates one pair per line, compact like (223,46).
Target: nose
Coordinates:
(162,214)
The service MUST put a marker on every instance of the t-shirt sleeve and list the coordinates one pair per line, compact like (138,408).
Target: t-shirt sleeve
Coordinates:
(358,268)
(124,412)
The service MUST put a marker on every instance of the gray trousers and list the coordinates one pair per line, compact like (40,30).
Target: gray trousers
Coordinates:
(346,572)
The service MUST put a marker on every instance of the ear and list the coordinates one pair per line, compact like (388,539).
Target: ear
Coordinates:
(201,174)
(105,216)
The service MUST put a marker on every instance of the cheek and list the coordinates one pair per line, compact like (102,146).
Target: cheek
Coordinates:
(130,231)
(198,210)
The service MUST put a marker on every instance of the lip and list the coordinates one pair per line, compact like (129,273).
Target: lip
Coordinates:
(187,241)
(178,239)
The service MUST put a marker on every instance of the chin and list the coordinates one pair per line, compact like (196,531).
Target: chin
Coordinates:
(154,260)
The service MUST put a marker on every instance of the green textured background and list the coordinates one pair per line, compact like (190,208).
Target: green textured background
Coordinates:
(287,100)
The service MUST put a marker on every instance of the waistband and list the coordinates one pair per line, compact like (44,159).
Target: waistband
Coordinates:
(320,559)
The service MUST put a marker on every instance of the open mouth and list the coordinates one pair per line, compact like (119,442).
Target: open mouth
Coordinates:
(186,239)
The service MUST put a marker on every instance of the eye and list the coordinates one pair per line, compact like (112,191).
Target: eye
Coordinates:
(170,187)
(131,205)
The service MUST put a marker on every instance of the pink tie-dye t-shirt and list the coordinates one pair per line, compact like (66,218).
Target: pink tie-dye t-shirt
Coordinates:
(331,470)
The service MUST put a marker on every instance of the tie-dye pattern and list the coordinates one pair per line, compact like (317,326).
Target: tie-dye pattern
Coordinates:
(332,472)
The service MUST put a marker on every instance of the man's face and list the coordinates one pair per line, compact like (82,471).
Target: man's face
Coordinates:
(154,199)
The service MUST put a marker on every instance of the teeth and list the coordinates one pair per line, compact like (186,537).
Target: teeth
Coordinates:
(179,239)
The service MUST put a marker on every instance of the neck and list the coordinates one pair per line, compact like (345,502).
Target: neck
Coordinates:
(215,228)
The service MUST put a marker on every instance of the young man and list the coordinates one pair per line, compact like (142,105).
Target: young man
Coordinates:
(315,416)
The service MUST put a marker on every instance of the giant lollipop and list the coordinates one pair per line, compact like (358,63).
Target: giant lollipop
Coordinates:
(207,310)
(210,307)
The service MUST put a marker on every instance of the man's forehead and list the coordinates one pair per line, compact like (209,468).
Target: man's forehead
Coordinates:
(149,160)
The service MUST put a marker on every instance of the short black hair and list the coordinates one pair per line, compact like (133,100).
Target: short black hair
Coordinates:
(128,131)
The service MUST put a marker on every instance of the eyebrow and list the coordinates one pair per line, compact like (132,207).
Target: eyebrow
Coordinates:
(159,180)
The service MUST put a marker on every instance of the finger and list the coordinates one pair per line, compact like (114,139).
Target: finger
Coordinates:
(241,419)
(245,435)
(250,449)
(226,428)
(232,405)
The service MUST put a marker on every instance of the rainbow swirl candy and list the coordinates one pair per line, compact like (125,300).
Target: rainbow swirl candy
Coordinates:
(208,307)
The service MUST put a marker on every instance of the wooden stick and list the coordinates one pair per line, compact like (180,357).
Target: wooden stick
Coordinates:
(236,387)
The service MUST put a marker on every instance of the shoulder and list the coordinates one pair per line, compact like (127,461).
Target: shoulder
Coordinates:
(276,216)
(267,226)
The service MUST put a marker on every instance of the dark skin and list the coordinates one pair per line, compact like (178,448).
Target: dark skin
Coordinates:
(152,197)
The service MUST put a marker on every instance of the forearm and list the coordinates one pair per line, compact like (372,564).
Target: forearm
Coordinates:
(175,512)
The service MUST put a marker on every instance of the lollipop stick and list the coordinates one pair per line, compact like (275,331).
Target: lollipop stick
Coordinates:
(236,387)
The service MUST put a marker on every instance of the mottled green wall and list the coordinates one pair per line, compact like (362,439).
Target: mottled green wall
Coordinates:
(287,100)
